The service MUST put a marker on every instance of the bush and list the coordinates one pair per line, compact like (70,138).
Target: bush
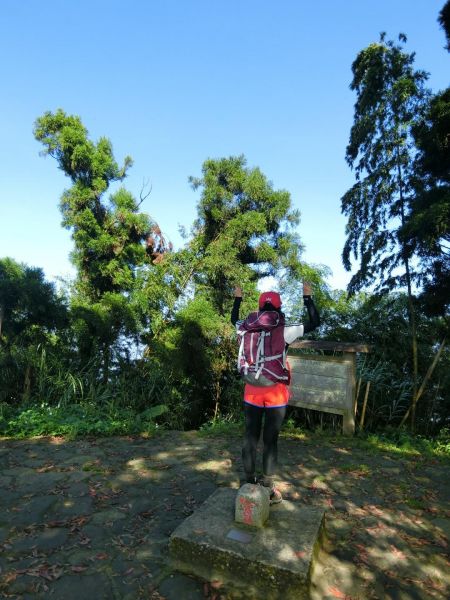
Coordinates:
(77,420)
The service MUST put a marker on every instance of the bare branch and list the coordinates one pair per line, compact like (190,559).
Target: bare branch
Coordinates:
(142,195)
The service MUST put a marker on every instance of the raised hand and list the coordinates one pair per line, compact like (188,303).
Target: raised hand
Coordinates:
(307,290)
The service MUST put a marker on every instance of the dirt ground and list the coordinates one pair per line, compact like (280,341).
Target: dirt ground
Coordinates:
(92,518)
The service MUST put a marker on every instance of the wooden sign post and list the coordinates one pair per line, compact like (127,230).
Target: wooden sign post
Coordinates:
(326,383)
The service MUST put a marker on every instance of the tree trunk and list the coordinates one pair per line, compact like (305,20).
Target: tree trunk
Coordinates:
(425,380)
(411,309)
(106,356)
(27,383)
(363,414)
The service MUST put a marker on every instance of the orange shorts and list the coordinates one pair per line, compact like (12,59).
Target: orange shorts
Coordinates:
(267,397)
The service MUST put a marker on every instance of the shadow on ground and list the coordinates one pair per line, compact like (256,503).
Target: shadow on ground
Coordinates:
(92,518)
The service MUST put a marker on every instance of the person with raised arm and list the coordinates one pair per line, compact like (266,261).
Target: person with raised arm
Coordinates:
(264,340)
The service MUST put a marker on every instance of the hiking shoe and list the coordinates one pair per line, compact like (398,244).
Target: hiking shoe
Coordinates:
(275,496)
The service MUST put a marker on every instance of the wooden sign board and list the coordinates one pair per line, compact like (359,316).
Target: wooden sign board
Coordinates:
(325,383)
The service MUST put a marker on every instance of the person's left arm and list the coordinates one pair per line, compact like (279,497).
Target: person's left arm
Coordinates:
(236,305)
(294,331)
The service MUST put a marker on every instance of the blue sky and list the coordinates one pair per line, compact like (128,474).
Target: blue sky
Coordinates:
(172,83)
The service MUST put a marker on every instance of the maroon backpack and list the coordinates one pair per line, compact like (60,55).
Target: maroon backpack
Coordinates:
(262,349)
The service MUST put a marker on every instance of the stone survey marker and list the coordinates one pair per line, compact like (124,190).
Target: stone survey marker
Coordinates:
(269,562)
(252,505)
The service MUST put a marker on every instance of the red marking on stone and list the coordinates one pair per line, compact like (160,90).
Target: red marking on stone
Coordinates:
(247,507)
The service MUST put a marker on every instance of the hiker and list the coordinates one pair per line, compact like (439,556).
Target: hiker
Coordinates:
(266,392)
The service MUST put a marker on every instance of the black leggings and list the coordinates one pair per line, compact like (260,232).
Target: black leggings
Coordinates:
(272,424)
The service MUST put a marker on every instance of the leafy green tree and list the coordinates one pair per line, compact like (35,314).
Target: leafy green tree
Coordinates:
(31,316)
(391,98)
(382,322)
(428,227)
(244,230)
(112,239)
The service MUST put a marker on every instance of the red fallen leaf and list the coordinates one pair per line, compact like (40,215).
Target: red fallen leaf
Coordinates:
(78,568)
(300,554)
(215,584)
(362,554)
(101,556)
(334,591)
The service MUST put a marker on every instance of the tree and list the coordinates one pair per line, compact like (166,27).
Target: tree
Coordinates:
(391,98)
(112,239)
(31,315)
(382,322)
(428,227)
(244,230)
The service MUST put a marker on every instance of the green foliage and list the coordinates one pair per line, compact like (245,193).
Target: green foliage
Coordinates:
(382,322)
(244,230)
(401,442)
(391,98)
(77,420)
(199,349)
(220,427)
(112,238)
(428,228)
(32,320)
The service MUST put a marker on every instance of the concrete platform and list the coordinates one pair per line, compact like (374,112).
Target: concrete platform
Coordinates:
(271,562)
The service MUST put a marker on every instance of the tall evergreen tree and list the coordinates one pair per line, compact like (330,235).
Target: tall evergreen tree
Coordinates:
(391,98)
(244,230)
(112,239)
(428,228)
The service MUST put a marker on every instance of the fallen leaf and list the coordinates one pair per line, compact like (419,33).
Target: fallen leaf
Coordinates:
(336,593)
(10,577)
(78,568)
(101,556)
(300,554)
